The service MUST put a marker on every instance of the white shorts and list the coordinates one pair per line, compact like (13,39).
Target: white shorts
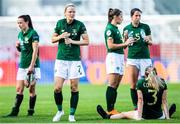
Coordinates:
(22,73)
(68,69)
(115,63)
(141,64)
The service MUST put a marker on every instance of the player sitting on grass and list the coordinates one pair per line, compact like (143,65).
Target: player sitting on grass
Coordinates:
(152,94)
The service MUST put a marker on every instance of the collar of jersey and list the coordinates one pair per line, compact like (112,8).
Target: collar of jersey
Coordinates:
(24,33)
(137,26)
(68,23)
(112,25)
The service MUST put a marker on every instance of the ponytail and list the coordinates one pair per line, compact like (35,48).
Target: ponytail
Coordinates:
(112,13)
(30,22)
(27,18)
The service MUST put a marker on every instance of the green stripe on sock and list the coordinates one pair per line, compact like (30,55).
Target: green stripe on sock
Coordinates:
(59,107)
(72,111)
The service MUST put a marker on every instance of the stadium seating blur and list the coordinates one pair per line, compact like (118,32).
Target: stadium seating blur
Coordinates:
(165,32)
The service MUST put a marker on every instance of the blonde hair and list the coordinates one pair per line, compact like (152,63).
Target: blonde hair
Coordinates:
(68,5)
(154,80)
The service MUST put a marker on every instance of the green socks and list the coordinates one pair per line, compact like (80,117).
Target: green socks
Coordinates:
(111,95)
(18,101)
(32,102)
(134,97)
(58,97)
(73,102)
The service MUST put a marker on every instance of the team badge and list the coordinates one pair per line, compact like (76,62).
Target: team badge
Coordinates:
(108,33)
(26,40)
(74,32)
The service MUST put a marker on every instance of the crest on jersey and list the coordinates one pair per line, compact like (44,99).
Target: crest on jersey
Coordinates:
(26,40)
(74,32)
(108,33)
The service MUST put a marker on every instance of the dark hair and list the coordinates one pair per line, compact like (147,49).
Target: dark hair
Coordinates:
(113,12)
(134,10)
(27,18)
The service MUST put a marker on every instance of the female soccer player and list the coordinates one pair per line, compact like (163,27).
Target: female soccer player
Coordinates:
(152,99)
(29,66)
(115,57)
(68,33)
(138,52)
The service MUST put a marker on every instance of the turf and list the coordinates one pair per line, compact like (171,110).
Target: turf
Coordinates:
(90,96)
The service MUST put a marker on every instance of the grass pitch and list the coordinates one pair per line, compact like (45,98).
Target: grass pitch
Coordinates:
(90,97)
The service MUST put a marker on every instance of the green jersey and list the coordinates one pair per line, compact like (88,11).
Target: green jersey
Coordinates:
(113,32)
(26,39)
(76,29)
(152,100)
(139,49)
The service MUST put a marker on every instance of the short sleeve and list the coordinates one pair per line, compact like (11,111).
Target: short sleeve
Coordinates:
(83,29)
(165,86)
(108,33)
(57,28)
(164,83)
(35,37)
(148,30)
(124,30)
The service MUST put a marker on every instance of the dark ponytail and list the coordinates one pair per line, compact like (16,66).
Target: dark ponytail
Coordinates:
(27,18)
(110,17)
(112,13)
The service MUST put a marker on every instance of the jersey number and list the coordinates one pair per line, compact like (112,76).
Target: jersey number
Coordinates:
(154,95)
(79,69)
(137,36)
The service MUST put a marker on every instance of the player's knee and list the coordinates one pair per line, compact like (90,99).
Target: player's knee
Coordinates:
(74,88)
(133,86)
(19,90)
(114,84)
(32,90)
(57,89)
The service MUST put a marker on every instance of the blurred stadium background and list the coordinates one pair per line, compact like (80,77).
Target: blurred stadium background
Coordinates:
(162,16)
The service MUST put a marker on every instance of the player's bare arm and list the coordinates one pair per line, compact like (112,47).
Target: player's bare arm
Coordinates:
(112,45)
(148,39)
(56,37)
(84,41)
(34,55)
(140,104)
(165,104)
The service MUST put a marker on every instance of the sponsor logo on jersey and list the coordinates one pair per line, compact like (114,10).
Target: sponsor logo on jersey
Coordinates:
(130,34)
(145,85)
(142,32)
